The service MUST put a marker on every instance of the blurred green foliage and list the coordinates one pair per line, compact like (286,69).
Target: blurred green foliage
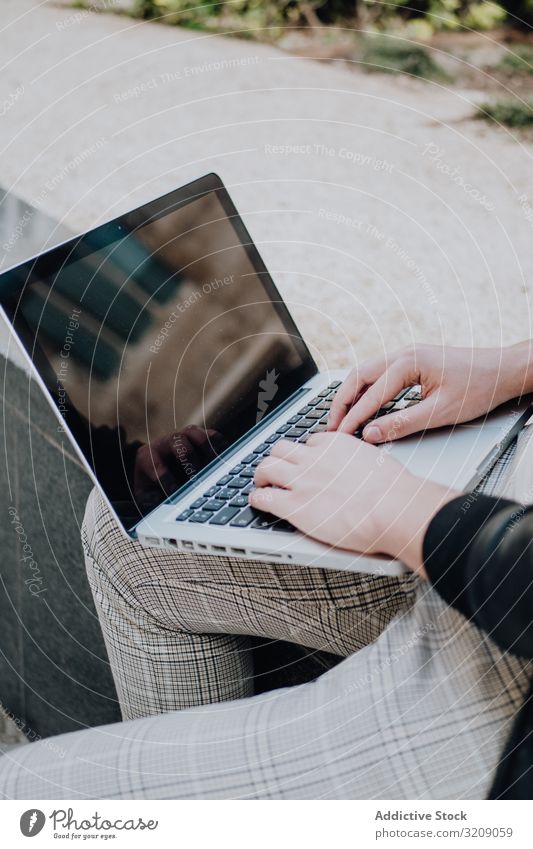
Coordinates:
(432,15)
(520,59)
(512,112)
(386,53)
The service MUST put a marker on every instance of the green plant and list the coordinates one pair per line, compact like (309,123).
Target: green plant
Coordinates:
(484,15)
(387,53)
(519,60)
(429,15)
(509,111)
(199,13)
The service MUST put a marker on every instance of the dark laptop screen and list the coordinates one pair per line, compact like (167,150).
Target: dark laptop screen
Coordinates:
(161,339)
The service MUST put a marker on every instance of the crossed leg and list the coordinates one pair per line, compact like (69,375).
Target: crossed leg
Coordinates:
(421,710)
(177,627)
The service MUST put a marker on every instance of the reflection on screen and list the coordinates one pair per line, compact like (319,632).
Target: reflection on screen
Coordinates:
(163,348)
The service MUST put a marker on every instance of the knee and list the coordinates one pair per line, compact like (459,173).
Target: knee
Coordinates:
(100,534)
(119,569)
(110,557)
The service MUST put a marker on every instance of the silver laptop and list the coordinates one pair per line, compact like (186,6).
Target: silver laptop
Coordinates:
(173,365)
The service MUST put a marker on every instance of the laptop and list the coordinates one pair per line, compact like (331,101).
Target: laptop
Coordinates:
(173,365)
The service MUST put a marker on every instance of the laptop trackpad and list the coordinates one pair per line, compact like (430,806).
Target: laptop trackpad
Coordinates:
(454,456)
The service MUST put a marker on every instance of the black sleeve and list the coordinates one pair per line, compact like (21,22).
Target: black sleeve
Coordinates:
(478,554)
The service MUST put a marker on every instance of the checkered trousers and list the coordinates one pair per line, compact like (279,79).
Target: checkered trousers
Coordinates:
(419,710)
(177,626)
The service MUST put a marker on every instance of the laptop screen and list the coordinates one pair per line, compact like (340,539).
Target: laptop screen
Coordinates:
(161,340)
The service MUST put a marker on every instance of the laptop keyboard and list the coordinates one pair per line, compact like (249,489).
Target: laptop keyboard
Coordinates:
(226,503)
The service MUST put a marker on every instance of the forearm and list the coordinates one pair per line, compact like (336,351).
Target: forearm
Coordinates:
(478,553)
(417,501)
(476,550)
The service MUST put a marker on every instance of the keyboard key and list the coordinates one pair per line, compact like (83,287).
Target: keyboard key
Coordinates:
(285,427)
(200,516)
(335,384)
(236,469)
(320,427)
(223,481)
(184,516)
(247,489)
(225,494)
(248,459)
(307,423)
(256,462)
(245,518)
(214,505)
(239,501)
(296,432)
(324,393)
(325,405)
(316,414)
(293,419)
(265,521)
(224,516)
(304,411)
(316,400)
(211,492)
(260,449)
(284,526)
(274,438)
(237,483)
(248,473)
(198,503)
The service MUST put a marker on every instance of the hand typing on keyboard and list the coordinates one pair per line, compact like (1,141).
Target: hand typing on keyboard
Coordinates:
(349,495)
(455,385)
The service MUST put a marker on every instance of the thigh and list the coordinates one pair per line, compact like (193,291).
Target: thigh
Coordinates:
(422,713)
(337,612)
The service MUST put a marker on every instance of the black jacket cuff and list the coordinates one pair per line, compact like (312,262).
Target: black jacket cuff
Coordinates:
(450,537)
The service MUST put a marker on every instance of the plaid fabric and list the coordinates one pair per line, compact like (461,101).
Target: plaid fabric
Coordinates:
(176,626)
(422,711)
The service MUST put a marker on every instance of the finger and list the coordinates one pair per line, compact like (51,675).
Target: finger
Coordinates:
(290,451)
(383,390)
(317,439)
(272,472)
(356,383)
(400,424)
(272,500)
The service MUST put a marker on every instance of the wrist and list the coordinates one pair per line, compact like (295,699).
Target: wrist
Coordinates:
(516,373)
(403,536)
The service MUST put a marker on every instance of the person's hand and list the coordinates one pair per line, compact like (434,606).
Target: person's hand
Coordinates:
(458,384)
(349,495)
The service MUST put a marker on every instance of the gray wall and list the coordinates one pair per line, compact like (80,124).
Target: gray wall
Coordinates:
(54,673)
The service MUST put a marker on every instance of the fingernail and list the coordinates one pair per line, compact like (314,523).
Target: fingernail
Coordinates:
(371,434)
